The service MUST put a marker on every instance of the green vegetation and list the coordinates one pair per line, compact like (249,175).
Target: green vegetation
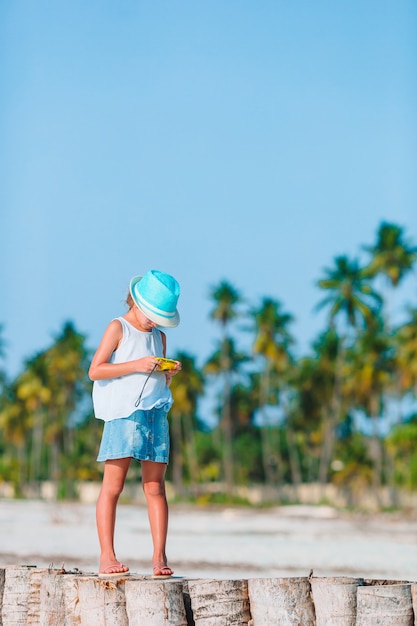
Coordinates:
(343,413)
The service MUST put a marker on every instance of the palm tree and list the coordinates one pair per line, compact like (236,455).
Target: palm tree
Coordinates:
(2,356)
(226,299)
(314,381)
(14,427)
(186,388)
(31,389)
(406,341)
(402,445)
(371,368)
(350,295)
(392,255)
(40,409)
(272,341)
(215,366)
(351,292)
(66,364)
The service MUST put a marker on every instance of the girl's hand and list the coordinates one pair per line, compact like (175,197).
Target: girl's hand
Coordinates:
(146,364)
(177,368)
(171,373)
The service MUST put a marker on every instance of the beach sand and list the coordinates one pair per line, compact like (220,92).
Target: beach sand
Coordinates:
(229,543)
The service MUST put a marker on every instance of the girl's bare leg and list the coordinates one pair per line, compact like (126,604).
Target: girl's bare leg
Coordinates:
(113,481)
(153,481)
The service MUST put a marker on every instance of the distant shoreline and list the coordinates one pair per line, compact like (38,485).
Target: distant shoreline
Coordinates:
(217,542)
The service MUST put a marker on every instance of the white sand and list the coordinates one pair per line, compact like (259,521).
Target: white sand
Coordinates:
(207,543)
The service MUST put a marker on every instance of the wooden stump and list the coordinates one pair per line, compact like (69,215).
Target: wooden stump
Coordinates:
(284,601)
(216,602)
(59,599)
(383,581)
(390,605)
(335,600)
(155,602)
(414,601)
(34,601)
(16,591)
(2,576)
(187,603)
(102,601)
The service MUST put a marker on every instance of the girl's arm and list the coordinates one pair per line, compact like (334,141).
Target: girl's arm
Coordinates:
(101,369)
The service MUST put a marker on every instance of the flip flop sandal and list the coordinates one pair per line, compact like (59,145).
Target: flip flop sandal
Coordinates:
(112,574)
(161,576)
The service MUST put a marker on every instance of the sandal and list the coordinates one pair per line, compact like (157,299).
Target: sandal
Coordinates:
(165,572)
(106,573)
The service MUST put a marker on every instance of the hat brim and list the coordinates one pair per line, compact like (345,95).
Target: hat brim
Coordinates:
(163,321)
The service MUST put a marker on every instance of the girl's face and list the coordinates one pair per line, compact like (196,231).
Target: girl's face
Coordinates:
(145,323)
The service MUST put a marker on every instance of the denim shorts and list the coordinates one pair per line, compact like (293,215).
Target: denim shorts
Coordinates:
(144,436)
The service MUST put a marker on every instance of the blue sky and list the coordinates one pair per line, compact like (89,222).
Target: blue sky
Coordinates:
(238,140)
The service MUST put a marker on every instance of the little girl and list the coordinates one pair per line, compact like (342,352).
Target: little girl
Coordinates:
(133,398)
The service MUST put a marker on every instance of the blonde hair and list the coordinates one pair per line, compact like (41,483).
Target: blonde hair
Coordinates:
(129,300)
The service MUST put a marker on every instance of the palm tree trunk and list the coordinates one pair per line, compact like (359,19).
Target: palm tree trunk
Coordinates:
(376,442)
(226,418)
(291,442)
(21,468)
(327,446)
(54,472)
(293,456)
(189,439)
(267,455)
(332,417)
(227,436)
(36,452)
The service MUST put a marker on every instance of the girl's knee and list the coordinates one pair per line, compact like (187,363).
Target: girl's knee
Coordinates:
(111,489)
(154,488)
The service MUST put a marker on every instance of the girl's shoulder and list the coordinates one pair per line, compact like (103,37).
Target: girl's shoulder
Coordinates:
(117,324)
(113,335)
(122,327)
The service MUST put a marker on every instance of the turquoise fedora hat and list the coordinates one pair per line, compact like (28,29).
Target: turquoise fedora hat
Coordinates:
(156,295)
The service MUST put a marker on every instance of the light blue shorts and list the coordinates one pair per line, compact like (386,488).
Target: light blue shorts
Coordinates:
(144,436)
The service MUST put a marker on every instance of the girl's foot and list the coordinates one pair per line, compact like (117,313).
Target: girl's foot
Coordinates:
(113,569)
(162,571)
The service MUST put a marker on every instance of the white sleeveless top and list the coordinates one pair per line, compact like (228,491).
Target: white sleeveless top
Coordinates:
(115,397)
